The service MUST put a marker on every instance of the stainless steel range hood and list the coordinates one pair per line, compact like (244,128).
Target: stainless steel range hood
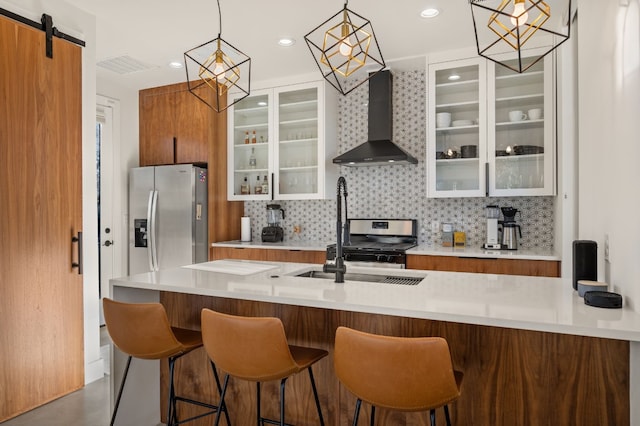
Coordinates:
(378,149)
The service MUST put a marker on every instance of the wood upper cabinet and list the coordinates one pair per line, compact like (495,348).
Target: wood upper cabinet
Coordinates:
(175,126)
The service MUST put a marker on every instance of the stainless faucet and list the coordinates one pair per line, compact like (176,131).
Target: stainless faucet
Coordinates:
(342,233)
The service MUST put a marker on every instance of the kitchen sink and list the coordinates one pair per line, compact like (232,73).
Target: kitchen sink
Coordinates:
(371,278)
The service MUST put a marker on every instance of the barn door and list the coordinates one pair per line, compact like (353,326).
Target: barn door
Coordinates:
(41,318)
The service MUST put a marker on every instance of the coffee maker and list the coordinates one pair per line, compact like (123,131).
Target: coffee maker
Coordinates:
(509,225)
(273,232)
(493,214)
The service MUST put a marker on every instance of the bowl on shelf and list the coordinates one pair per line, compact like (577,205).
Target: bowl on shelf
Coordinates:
(440,155)
(460,123)
(469,151)
(502,153)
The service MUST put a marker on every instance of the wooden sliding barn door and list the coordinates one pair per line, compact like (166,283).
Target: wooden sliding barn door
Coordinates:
(41,319)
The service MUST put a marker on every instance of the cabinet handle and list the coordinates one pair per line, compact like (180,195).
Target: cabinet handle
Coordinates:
(175,155)
(486,178)
(78,264)
(273,188)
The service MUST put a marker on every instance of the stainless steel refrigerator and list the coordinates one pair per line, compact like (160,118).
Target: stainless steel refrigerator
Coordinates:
(167,217)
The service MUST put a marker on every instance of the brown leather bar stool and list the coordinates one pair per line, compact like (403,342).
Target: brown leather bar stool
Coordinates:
(256,349)
(142,330)
(397,373)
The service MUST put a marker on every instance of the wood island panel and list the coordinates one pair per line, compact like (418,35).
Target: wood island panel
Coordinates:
(511,377)
(535,268)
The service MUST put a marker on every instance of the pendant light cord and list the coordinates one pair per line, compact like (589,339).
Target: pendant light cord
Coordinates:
(219,19)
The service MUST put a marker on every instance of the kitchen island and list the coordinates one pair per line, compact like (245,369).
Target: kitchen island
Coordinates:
(531,351)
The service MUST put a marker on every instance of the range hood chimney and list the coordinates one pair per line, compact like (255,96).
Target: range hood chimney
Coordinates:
(378,149)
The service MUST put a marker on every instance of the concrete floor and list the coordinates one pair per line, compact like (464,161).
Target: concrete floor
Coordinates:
(87,407)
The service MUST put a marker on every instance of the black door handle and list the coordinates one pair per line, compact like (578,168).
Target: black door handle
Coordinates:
(78,240)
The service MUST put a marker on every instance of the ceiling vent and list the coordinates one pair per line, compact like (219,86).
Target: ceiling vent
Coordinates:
(124,65)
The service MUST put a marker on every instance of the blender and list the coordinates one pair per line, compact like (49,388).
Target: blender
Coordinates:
(273,232)
(493,214)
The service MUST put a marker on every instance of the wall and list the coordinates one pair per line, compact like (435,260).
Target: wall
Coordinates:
(609,94)
(77,23)
(399,191)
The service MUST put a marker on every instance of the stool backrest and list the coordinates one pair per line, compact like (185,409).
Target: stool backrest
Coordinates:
(141,330)
(250,348)
(399,373)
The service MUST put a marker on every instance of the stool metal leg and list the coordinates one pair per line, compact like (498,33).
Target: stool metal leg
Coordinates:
(282,387)
(172,416)
(446,415)
(222,394)
(432,414)
(373,415)
(258,416)
(222,405)
(315,396)
(356,414)
(124,379)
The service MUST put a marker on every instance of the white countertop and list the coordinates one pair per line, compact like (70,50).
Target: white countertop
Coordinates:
(520,302)
(521,253)
(422,249)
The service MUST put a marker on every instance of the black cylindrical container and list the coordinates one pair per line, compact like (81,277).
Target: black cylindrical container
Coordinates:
(585,261)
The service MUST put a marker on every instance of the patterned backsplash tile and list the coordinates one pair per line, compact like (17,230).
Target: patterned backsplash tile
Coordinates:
(399,191)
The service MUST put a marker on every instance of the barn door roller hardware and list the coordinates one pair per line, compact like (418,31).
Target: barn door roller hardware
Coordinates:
(46,25)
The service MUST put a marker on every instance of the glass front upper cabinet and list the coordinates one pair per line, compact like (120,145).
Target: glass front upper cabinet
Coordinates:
(281,142)
(249,157)
(521,139)
(456,142)
(298,128)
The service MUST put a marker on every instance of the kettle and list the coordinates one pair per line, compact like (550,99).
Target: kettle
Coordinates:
(509,237)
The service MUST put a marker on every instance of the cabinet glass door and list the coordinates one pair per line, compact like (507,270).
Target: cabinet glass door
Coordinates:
(521,147)
(456,149)
(297,159)
(250,154)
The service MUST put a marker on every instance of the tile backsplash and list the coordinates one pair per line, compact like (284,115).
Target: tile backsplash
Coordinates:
(399,191)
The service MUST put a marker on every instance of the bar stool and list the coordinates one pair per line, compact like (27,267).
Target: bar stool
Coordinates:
(256,349)
(142,330)
(398,373)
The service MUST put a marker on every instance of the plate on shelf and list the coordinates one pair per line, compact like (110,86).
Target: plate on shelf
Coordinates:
(459,123)
(528,149)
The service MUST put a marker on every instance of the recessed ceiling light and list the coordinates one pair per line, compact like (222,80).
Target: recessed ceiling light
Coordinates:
(431,12)
(286,41)
(454,77)
(176,64)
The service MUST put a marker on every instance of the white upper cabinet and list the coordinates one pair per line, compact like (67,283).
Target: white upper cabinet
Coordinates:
(456,141)
(521,134)
(295,142)
(490,131)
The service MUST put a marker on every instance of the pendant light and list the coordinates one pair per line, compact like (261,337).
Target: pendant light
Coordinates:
(215,69)
(505,29)
(346,50)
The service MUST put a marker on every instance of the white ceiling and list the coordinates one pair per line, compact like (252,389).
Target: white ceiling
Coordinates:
(157,32)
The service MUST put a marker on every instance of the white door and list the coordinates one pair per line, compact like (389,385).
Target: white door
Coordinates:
(105,167)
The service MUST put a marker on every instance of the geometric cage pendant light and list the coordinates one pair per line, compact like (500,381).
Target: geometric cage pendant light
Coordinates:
(346,50)
(506,30)
(216,68)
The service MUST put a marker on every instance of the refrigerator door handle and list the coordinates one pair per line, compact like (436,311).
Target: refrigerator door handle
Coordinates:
(153,229)
(150,230)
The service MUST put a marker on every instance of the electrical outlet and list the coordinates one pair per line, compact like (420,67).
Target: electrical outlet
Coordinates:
(607,248)
(435,226)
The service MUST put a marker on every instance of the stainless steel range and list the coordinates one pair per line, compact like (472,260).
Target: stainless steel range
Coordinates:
(378,242)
